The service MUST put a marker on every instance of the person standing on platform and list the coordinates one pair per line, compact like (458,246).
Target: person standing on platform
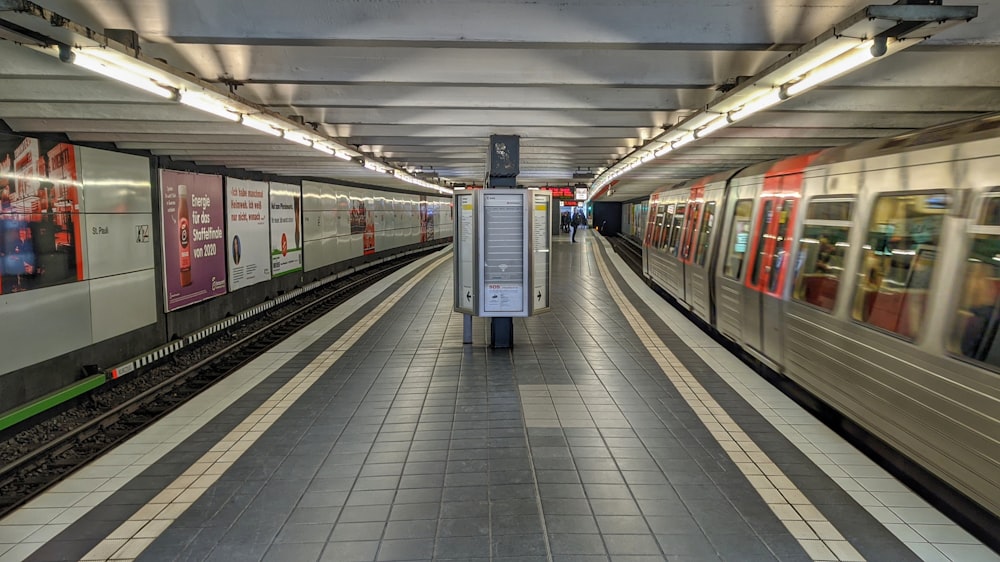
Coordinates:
(575,223)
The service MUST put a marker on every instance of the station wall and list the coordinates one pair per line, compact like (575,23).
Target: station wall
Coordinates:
(89,276)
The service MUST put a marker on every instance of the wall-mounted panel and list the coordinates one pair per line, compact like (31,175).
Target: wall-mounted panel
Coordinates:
(115,183)
(43,323)
(122,303)
(118,243)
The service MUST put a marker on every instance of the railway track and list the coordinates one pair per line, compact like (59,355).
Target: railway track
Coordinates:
(629,251)
(57,454)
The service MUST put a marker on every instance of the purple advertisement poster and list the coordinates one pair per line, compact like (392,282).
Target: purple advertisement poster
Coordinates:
(193,239)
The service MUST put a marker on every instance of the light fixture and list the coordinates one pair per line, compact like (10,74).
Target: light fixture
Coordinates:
(772,97)
(323,148)
(831,69)
(870,33)
(73,43)
(719,122)
(259,124)
(297,137)
(208,104)
(684,139)
(121,74)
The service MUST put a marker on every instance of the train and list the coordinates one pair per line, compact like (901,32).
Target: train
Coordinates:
(866,274)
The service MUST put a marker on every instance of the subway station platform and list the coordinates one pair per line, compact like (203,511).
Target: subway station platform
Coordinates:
(613,430)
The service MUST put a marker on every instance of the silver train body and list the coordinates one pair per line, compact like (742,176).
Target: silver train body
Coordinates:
(867,274)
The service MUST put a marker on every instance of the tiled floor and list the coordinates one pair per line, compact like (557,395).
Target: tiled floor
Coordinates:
(612,430)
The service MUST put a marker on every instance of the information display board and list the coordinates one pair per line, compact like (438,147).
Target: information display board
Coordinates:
(504,261)
(502,250)
(541,244)
(465,250)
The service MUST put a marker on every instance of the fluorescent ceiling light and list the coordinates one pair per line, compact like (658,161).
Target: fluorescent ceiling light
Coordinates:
(772,97)
(684,139)
(208,104)
(93,64)
(872,32)
(719,122)
(132,64)
(298,137)
(832,69)
(323,148)
(260,125)
(343,156)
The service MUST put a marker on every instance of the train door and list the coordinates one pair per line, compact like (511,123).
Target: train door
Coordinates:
(696,201)
(769,257)
(653,218)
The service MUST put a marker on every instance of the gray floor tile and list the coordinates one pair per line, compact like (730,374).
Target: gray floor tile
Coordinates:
(577,544)
(304,552)
(350,551)
(413,529)
(406,549)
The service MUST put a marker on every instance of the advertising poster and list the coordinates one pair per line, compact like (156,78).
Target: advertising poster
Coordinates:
(193,239)
(286,229)
(249,256)
(40,242)
(363,222)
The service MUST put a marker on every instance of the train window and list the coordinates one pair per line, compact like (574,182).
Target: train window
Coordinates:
(739,239)
(991,212)
(689,229)
(758,265)
(704,235)
(780,248)
(974,333)
(668,213)
(675,231)
(829,211)
(898,259)
(820,261)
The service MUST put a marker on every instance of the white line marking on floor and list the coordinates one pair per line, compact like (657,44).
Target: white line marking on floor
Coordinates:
(146,524)
(818,537)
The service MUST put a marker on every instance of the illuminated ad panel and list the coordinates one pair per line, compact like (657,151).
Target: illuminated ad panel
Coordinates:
(249,256)
(193,240)
(40,242)
(286,229)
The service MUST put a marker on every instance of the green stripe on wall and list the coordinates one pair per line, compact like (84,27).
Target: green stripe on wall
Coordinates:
(50,401)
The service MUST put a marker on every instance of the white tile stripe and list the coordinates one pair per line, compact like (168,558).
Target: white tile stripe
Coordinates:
(908,517)
(818,537)
(135,535)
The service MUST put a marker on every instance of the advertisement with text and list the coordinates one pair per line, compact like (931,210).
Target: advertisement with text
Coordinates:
(193,238)
(247,233)
(286,229)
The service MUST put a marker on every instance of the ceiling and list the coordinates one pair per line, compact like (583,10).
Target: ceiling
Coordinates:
(422,84)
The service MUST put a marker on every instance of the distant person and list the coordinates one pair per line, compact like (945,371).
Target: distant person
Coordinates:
(575,223)
(564,222)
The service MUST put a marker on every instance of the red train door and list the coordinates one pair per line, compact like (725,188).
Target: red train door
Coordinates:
(768,265)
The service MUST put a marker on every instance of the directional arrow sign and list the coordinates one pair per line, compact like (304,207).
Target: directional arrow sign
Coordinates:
(539,296)
(468,296)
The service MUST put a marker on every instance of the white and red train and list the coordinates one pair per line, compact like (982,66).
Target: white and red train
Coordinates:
(867,274)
